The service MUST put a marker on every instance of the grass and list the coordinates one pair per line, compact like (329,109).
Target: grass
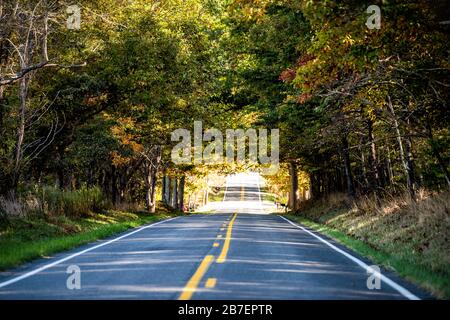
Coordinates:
(52,201)
(70,202)
(22,239)
(408,237)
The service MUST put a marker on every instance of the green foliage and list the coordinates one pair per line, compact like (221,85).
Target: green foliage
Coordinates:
(325,79)
(137,70)
(70,203)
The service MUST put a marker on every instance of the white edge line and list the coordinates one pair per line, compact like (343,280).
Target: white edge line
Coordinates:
(259,194)
(226,187)
(31,273)
(404,292)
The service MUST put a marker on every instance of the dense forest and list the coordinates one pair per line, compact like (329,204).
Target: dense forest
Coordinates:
(361,110)
(89,97)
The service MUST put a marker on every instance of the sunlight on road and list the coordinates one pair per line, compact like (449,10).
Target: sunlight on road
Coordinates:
(242,194)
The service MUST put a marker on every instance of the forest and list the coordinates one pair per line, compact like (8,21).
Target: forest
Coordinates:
(91,91)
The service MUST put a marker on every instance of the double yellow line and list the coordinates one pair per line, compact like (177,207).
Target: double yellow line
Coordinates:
(226,246)
(192,284)
(195,280)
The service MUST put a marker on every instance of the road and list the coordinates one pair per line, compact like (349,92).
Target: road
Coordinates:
(234,255)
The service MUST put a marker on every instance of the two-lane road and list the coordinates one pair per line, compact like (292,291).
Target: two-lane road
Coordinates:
(217,256)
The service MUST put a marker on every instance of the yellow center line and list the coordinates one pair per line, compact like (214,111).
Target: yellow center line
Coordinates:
(194,281)
(192,284)
(223,255)
(211,283)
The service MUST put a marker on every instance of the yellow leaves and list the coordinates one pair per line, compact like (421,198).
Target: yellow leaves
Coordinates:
(121,132)
(348,40)
(118,160)
(181,104)
(250,9)
(95,100)
(126,122)
(136,147)
(139,107)
(249,117)
(116,131)
(121,160)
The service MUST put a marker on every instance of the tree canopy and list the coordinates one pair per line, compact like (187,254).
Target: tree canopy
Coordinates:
(360,110)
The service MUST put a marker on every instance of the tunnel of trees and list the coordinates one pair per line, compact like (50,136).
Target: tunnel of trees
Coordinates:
(360,110)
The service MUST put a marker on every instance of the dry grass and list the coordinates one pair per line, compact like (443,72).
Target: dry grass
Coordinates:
(52,201)
(13,207)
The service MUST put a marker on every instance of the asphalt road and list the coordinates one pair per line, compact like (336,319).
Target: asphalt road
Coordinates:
(219,256)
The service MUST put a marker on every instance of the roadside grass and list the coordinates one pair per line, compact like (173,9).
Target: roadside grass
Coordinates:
(25,239)
(409,238)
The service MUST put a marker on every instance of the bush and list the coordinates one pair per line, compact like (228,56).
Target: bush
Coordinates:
(53,201)
(12,207)
(71,202)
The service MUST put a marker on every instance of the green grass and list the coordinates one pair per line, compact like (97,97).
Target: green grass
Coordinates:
(23,240)
(407,265)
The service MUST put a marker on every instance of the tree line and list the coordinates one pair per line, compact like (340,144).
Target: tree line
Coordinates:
(95,106)
(360,110)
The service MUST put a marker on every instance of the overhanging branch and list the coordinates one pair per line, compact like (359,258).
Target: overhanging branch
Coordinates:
(44,64)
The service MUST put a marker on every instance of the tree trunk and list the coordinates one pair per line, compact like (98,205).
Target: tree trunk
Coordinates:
(2,106)
(105,183)
(363,169)
(206,196)
(163,189)
(293,194)
(181,194)
(406,167)
(147,185)
(114,191)
(313,184)
(347,167)
(374,181)
(23,92)
(390,173)
(410,161)
(154,178)
(5,185)
(123,182)
(174,193)
(168,195)
(150,187)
